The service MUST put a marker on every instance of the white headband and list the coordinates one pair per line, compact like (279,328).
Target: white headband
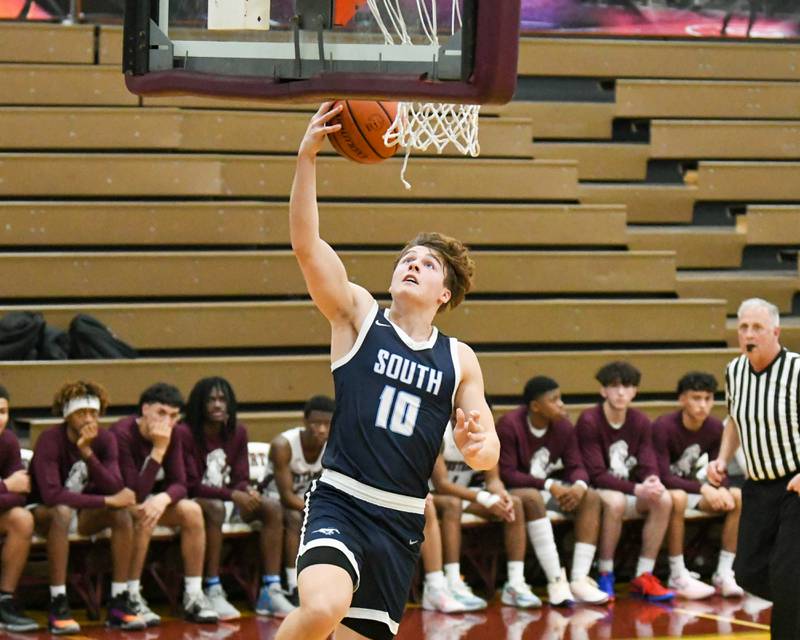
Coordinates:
(84,402)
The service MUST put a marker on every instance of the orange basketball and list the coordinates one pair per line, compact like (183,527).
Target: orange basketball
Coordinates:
(363,124)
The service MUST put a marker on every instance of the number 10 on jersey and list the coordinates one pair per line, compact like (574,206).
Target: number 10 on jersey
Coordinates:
(397,411)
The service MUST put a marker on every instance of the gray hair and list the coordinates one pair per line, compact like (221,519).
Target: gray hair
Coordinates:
(751,303)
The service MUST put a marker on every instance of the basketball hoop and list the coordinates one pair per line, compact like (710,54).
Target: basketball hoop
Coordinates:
(420,125)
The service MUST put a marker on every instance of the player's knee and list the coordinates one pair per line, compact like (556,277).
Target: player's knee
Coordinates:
(213,512)
(292,519)
(449,507)
(60,517)
(532,504)
(664,504)
(679,500)
(614,503)
(121,520)
(190,515)
(271,510)
(20,522)
(590,500)
(326,611)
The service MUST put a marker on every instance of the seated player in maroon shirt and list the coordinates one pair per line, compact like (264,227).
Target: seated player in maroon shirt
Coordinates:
(218,471)
(75,469)
(617,449)
(540,460)
(680,439)
(152,465)
(16,523)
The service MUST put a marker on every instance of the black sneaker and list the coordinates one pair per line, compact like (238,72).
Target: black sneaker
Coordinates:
(121,614)
(60,620)
(12,618)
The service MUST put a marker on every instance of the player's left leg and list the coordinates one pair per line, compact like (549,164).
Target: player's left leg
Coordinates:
(272,600)
(657,513)
(17,526)
(436,595)
(724,579)
(681,580)
(121,612)
(587,530)
(540,531)
(449,509)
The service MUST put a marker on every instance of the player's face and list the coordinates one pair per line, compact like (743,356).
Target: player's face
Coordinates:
(318,424)
(549,405)
(3,413)
(757,333)
(697,404)
(77,420)
(217,406)
(420,273)
(618,395)
(156,412)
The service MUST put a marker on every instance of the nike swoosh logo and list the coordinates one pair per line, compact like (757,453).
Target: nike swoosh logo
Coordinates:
(382,324)
(413,541)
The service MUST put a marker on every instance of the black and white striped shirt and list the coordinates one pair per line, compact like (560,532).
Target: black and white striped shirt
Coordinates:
(765,408)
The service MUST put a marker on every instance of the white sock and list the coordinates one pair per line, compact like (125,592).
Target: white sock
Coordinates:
(676,566)
(58,590)
(453,572)
(291,578)
(435,580)
(605,566)
(582,560)
(516,571)
(134,586)
(645,565)
(544,546)
(725,562)
(193,584)
(118,587)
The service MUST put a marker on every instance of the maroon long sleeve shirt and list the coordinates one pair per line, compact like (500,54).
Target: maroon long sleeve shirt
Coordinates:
(616,458)
(61,476)
(10,462)
(216,468)
(678,449)
(143,474)
(530,461)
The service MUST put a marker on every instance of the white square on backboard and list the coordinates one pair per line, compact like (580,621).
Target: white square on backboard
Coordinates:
(238,14)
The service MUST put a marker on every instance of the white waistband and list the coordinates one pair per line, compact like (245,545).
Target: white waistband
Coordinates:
(379,497)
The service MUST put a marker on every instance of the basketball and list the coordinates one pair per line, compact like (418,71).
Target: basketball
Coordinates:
(363,124)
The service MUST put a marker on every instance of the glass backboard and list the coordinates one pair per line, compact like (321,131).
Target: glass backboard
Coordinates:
(451,50)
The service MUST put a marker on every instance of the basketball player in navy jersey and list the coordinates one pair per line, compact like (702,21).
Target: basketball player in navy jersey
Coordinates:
(397,381)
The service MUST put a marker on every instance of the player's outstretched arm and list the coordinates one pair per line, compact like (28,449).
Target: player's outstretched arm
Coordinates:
(474,430)
(324,273)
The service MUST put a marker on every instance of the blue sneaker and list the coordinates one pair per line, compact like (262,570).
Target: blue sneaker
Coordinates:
(273,602)
(605,581)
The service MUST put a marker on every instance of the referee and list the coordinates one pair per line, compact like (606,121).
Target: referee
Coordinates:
(763,394)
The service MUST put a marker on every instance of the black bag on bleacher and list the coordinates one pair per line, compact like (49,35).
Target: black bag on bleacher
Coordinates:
(53,344)
(92,340)
(20,332)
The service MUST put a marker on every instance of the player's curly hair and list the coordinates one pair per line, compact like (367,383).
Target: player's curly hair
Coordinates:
(79,389)
(459,267)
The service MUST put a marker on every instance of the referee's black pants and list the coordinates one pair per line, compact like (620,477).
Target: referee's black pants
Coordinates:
(768,552)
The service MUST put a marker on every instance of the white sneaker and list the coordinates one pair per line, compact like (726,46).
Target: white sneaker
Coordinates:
(440,599)
(460,591)
(197,608)
(219,602)
(726,585)
(689,587)
(139,606)
(273,602)
(586,591)
(519,595)
(558,592)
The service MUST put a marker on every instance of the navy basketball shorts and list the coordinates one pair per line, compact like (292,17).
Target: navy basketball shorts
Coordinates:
(378,546)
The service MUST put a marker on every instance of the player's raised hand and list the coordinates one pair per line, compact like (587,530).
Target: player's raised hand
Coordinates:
(319,126)
(468,433)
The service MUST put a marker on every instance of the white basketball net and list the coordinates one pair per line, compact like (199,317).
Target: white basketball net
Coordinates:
(420,125)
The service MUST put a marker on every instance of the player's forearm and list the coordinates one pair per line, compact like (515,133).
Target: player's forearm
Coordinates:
(303,211)
(730,441)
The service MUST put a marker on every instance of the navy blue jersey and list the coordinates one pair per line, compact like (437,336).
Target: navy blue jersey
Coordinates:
(394,398)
